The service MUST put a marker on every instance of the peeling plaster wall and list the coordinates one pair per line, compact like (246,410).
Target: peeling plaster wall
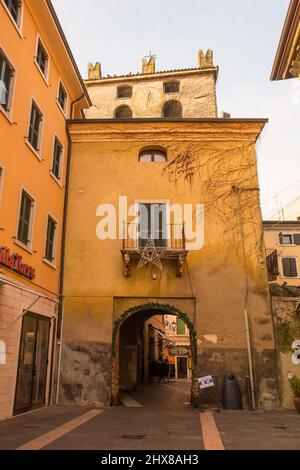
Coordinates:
(104,166)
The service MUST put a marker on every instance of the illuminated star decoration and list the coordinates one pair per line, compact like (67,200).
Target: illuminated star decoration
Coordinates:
(150,255)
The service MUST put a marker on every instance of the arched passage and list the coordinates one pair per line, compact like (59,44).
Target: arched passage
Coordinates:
(135,317)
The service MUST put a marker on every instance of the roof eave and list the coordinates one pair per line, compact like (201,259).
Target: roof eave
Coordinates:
(292,19)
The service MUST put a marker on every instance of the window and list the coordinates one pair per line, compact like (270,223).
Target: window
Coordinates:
(57,159)
(124,92)
(62,97)
(6,78)
(50,239)
(14,8)
(289,239)
(25,218)
(172,109)
(180,327)
(285,239)
(156,156)
(1,181)
(42,58)
(171,87)
(152,224)
(123,112)
(289,267)
(35,126)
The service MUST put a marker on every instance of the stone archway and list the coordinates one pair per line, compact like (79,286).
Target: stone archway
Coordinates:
(155,308)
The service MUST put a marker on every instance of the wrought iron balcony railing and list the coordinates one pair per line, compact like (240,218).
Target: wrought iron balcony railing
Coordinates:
(166,242)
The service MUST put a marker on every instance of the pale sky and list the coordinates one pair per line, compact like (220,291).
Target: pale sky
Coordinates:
(244,36)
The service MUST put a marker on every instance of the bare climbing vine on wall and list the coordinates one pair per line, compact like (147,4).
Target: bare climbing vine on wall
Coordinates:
(219,172)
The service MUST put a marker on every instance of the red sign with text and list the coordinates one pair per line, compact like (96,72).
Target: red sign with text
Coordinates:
(14,262)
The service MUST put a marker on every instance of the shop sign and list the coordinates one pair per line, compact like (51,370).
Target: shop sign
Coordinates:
(179,351)
(14,262)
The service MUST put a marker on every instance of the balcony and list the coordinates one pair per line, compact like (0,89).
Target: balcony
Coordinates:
(153,246)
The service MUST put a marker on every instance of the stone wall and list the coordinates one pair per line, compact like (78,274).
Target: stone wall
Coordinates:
(286,312)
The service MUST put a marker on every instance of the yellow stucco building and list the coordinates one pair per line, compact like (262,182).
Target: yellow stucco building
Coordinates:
(40,88)
(282,241)
(163,219)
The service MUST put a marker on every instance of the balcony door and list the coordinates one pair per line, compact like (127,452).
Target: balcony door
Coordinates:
(33,362)
(152,222)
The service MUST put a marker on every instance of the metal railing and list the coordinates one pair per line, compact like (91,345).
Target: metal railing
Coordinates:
(170,236)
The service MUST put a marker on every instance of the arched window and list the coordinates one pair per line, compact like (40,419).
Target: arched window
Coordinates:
(153,156)
(124,91)
(172,109)
(123,112)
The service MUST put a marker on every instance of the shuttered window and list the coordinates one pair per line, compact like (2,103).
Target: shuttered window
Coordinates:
(35,126)
(180,327)
(57,154)
(50,240)
(25,218)
(289,267)
(14,7)
(6,76)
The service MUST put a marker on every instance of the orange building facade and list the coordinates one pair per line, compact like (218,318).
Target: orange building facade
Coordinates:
(40,88)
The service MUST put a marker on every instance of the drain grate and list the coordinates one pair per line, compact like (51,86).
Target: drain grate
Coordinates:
(134,437)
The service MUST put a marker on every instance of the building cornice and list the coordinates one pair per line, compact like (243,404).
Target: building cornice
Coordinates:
(287,60)
(166,130)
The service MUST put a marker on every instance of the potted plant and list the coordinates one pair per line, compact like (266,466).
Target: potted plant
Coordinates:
(295,385)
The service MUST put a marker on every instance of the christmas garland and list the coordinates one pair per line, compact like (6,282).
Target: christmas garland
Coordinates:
(169,309)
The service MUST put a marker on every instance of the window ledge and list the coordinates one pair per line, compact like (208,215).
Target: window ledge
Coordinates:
(35,152)
(7,115)
(48,263)
(45,78)
(17,28)
(61,110)
(57,181)
(22,245)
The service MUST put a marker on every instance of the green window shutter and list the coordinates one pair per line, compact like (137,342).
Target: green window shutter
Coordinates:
(180,327)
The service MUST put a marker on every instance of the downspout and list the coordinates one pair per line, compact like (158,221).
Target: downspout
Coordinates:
(238,191)
(63,248)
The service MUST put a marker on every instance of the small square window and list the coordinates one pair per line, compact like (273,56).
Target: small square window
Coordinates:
(14,8)
(57,159)
(124,92)
(25,218)
(42,58)
(171,87)
(35,127)
(6,78)
(62,97)
(286,239)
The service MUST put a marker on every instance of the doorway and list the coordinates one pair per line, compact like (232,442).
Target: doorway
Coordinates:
(33,362)
(182,367)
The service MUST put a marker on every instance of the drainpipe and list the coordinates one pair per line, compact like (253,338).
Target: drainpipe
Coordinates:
(63,247)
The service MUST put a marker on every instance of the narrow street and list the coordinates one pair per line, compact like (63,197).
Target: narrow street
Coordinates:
(155,417)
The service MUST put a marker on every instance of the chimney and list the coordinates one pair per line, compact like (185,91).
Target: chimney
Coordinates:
(94,71)
(225,115)
(205,60)
(149,65)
